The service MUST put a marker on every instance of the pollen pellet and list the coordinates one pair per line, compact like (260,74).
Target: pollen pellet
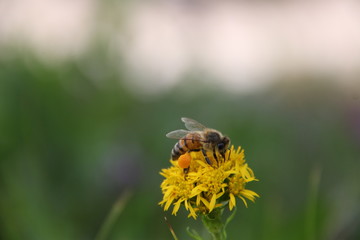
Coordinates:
(184,160)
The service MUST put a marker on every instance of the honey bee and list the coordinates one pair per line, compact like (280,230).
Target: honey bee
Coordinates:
(198,138)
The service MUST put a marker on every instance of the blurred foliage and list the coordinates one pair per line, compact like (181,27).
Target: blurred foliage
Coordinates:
(74,139)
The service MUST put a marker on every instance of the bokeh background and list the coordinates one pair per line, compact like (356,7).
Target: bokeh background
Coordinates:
(88,90)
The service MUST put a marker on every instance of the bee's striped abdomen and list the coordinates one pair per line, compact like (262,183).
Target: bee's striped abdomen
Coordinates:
(179,149)
(190,142)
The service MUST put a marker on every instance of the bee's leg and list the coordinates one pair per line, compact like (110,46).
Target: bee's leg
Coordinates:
(214,154)
(205,156)
(186,170)
(223,155)
(204,153)
(194,150)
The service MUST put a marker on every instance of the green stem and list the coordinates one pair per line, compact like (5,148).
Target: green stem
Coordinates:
(113,216)
(214,224)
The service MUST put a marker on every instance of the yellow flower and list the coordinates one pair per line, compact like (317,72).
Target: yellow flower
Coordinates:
(206,187)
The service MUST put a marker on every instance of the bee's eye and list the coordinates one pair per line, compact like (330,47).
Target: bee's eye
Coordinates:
(221,146)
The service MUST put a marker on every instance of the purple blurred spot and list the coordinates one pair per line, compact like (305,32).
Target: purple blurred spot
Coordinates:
(124,168)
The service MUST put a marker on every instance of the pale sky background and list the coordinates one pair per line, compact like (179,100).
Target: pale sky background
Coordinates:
(244,44)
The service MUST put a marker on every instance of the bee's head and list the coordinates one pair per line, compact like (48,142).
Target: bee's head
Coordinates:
(223,145)
(218,141)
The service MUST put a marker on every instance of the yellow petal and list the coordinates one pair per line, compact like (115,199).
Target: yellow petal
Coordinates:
(162,202)
(168,203)
(205,202)
(249,194)
(197,190)
(232,202)
(168,192)
(212,203)
(192,212)
(244,171)
(251,172)
(219,194)
(186,204)
(176,207)
(198,198)
(203,164)
(244,201)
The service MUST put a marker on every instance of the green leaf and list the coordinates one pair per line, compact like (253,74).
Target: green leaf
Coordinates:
(193,233)
(231,217)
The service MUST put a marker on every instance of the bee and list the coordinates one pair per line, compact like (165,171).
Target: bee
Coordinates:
(198,138)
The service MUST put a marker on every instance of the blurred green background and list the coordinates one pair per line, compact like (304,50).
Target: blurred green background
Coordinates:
(74,140)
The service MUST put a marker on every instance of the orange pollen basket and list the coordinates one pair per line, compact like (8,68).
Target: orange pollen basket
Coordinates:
(184,160)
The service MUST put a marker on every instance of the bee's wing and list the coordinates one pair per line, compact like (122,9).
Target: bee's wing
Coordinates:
(192,125)
(177,134)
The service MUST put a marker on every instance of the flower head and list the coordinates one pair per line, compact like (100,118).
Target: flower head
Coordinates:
(205,187)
